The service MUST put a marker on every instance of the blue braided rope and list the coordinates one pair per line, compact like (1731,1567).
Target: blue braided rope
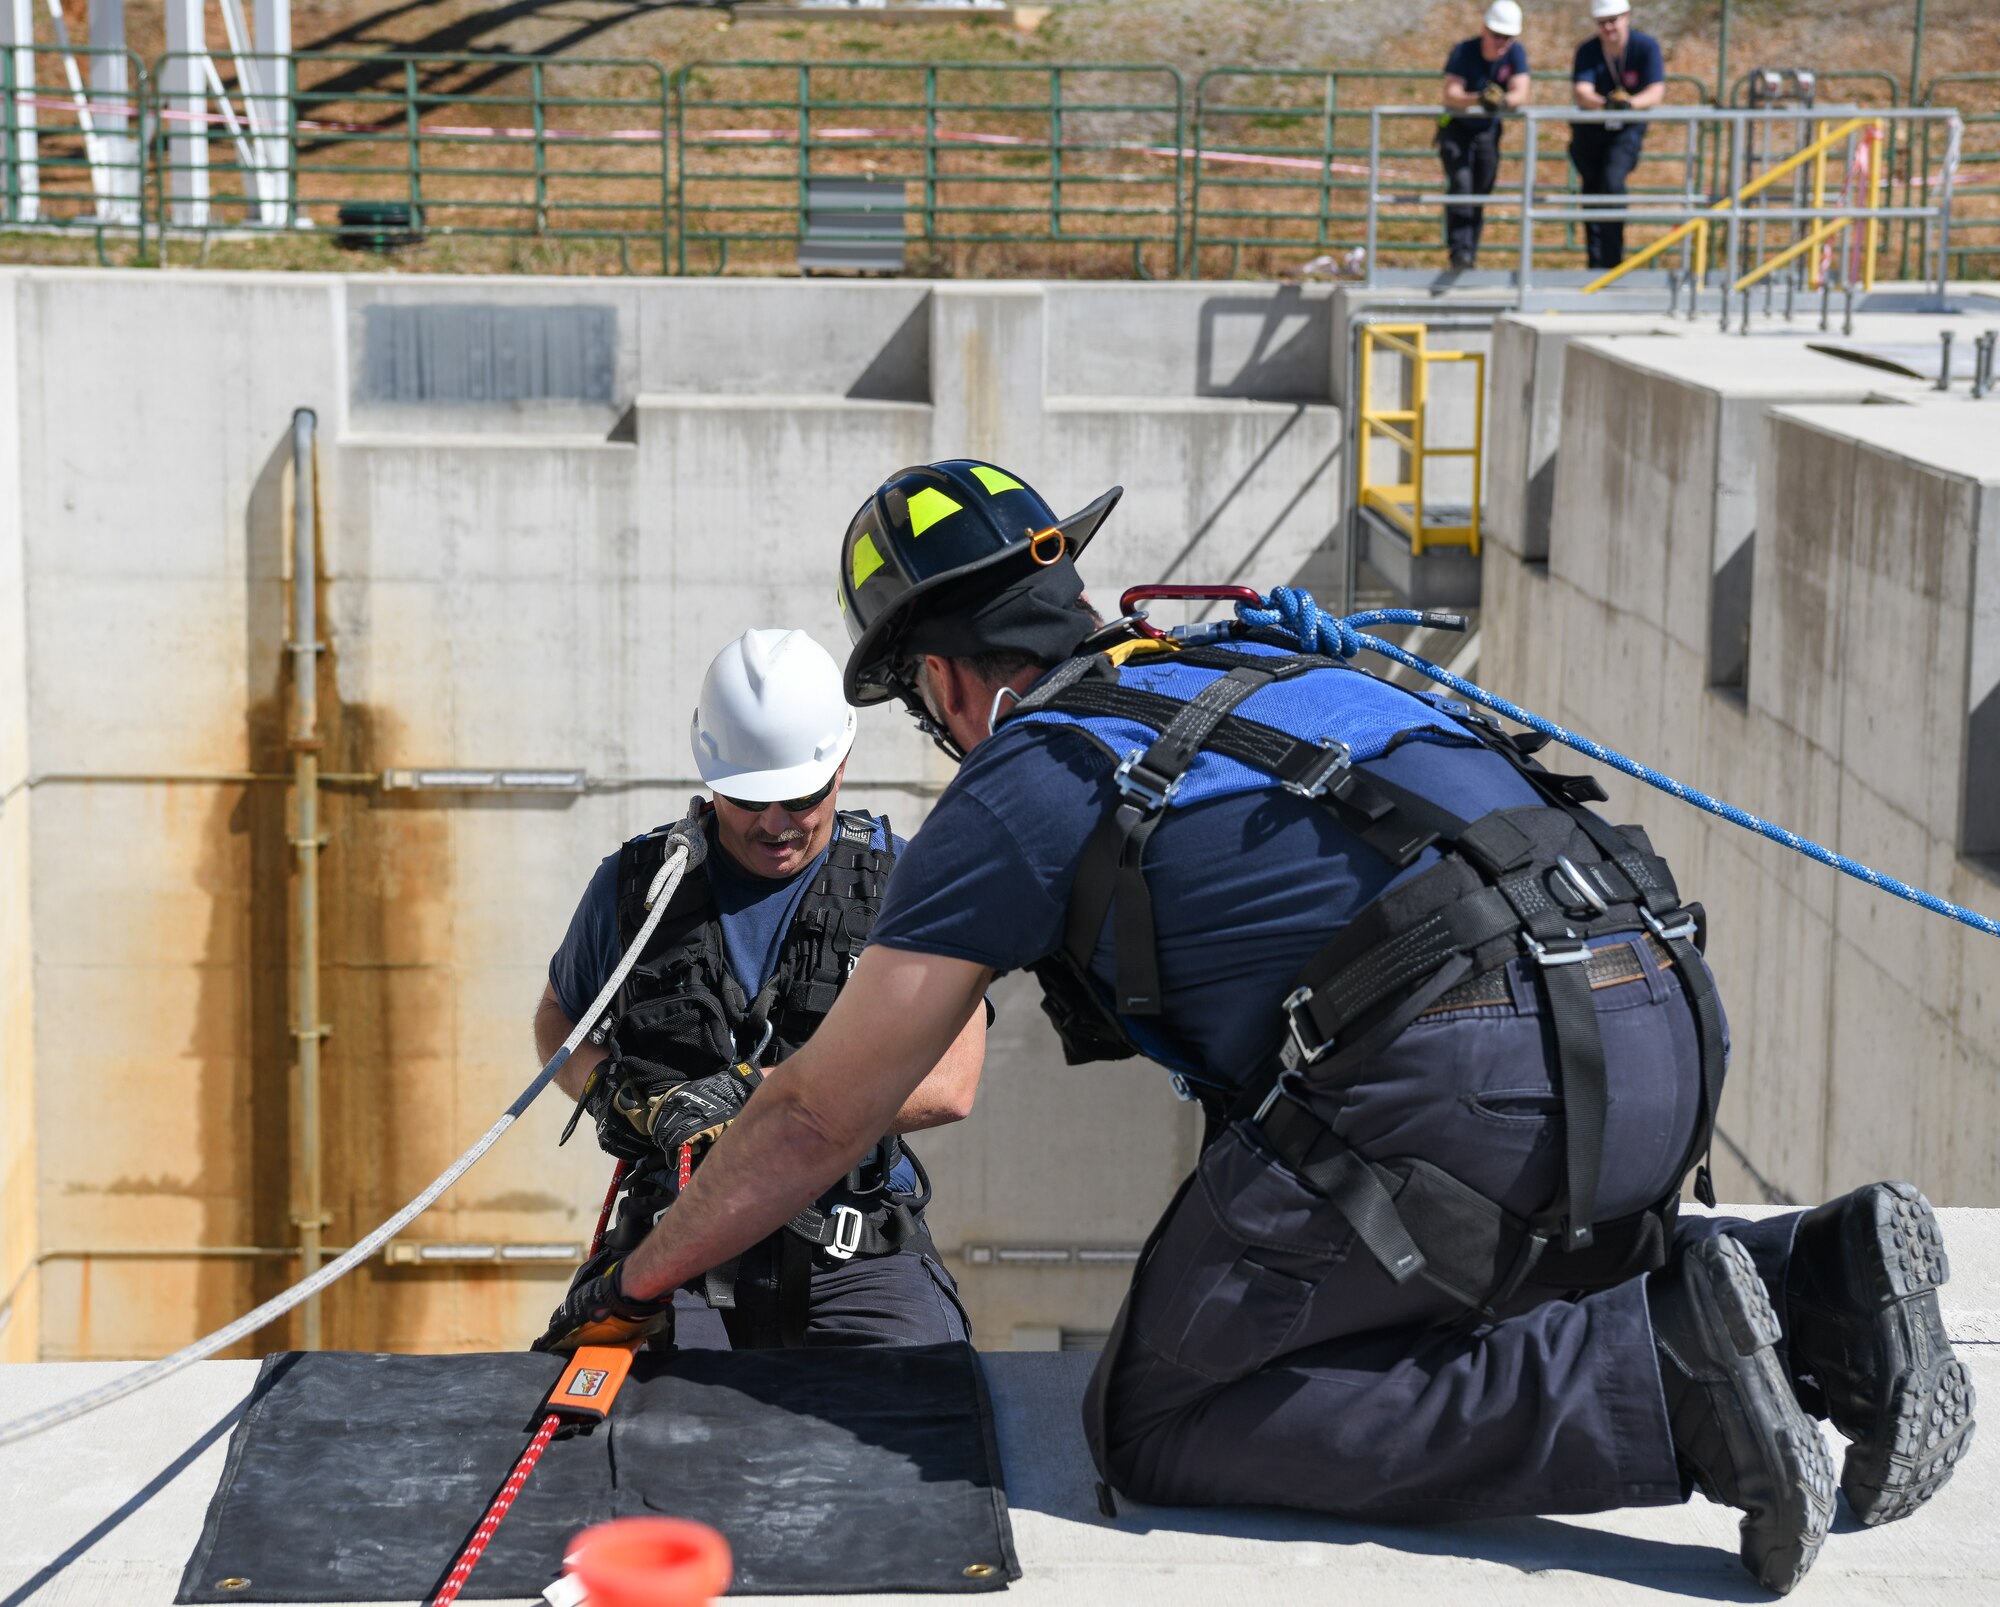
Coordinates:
(1293,610)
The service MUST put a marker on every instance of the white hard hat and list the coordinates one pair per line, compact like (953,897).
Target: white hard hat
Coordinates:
(1600,9)
(772,722)
(1503,16)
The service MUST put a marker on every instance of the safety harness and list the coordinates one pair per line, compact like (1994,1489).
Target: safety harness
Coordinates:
(1539,882)
(683,1015)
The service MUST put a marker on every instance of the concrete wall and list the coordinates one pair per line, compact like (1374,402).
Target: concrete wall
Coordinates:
(18,1226)
(1863,1027)
(519,582)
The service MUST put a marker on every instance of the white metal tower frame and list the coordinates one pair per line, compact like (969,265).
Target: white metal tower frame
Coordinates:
(261,133)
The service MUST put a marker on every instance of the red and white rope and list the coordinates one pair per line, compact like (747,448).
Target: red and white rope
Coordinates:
(475,1548)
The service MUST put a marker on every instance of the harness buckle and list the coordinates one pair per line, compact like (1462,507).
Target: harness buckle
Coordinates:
(1548,956)
(1592,900)
(1668,934)
(1133,782)
(1313,782)
(847,1226)
(1304,1056)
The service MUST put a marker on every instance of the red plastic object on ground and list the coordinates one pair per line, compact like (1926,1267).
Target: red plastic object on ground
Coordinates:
(650,1562)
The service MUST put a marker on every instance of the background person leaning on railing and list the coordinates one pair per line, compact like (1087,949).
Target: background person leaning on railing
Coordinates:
(1484,77)
(1618,68)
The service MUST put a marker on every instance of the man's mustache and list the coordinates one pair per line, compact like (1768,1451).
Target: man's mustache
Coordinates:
(790,835)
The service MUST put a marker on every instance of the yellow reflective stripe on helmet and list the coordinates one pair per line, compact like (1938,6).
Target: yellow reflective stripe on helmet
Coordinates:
(995,480)
(927,507)
(866,561)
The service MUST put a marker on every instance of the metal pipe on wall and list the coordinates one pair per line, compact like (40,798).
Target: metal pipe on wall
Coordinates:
(309,1215)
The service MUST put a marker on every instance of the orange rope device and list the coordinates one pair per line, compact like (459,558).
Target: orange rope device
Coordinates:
(583,1394)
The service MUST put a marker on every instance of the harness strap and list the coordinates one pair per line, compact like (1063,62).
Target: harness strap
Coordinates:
(1649,884)
(1111,871)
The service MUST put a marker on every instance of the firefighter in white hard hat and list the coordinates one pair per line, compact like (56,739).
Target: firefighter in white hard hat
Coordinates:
(1618,69)
(1485,77)
(756,945)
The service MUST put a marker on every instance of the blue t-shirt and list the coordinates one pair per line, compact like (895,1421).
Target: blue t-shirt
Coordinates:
(1245,888)
(1638,67)
(1468,64)
(756,912)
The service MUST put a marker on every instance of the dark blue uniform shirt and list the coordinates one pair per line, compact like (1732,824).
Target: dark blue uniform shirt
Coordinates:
(756,912)
(1468,64)
(1245,888)
(1639,67)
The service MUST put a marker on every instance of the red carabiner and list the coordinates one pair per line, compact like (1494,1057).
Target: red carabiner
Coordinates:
(1128,605)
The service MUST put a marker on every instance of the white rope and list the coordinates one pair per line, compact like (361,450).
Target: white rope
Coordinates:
(658,896)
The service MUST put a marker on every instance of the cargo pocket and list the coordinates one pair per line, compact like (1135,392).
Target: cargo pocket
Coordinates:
(1233,1273)
(684,1033)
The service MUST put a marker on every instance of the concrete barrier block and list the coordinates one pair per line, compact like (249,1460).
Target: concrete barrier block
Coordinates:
(1270,343)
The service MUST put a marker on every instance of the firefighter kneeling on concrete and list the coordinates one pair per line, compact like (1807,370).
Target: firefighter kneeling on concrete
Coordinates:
(1457,1045)
(751,954)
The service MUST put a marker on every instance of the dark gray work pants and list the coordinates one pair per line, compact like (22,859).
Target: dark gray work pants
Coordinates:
(1268,1359)
(903,1299)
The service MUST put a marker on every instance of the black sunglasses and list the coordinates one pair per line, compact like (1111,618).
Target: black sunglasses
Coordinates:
(793,806)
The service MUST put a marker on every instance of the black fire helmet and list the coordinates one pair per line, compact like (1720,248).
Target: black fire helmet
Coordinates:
(960,528)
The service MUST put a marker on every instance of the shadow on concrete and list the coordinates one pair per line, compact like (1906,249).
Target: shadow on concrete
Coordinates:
(43,1576)
(901,370)
(1280,366)
(1222,506)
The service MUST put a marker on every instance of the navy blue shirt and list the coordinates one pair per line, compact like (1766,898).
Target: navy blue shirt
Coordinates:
(756,911)
(1638,67)
(1245,888)
(1468,64)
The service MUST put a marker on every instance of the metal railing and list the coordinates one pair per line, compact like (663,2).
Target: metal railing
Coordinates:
(525,162)
(1973,169)
(1402,501)
(1085,159)
(1740,252)
(72,148)
(1282,165)
(1810,243)
(569,151)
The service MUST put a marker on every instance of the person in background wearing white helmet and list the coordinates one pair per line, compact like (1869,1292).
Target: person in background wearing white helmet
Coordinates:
(1484,78)
(1618,69)
(756,944)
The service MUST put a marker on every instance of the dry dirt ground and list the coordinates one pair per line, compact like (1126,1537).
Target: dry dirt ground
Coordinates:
(598,201)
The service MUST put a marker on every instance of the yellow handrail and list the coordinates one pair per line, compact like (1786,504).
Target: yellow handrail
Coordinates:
(1814,152)
(1820,233)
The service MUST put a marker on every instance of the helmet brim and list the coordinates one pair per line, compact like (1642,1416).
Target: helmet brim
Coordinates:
(1002,568)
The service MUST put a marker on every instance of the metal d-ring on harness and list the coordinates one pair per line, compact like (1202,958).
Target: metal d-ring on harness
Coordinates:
(687,852)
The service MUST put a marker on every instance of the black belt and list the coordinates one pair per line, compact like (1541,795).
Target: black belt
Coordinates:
(1608,967)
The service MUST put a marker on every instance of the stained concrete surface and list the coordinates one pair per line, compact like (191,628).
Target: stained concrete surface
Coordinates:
(106,1509)
(509,582)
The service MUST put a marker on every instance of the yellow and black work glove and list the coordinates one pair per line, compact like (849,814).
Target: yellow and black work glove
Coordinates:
(1617,101)
(696,1112)
(597,1311)
(1493,97)
(619,1111)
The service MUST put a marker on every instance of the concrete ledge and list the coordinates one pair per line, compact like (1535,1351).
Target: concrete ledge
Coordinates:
(106,1509)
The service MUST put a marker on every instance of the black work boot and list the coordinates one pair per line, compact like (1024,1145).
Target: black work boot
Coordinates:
(1868,1341)
(1740,1435)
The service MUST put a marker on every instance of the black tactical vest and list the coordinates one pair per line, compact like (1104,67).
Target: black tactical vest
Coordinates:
(681,1014)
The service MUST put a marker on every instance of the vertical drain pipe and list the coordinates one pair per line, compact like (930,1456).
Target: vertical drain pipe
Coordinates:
(309,1217)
